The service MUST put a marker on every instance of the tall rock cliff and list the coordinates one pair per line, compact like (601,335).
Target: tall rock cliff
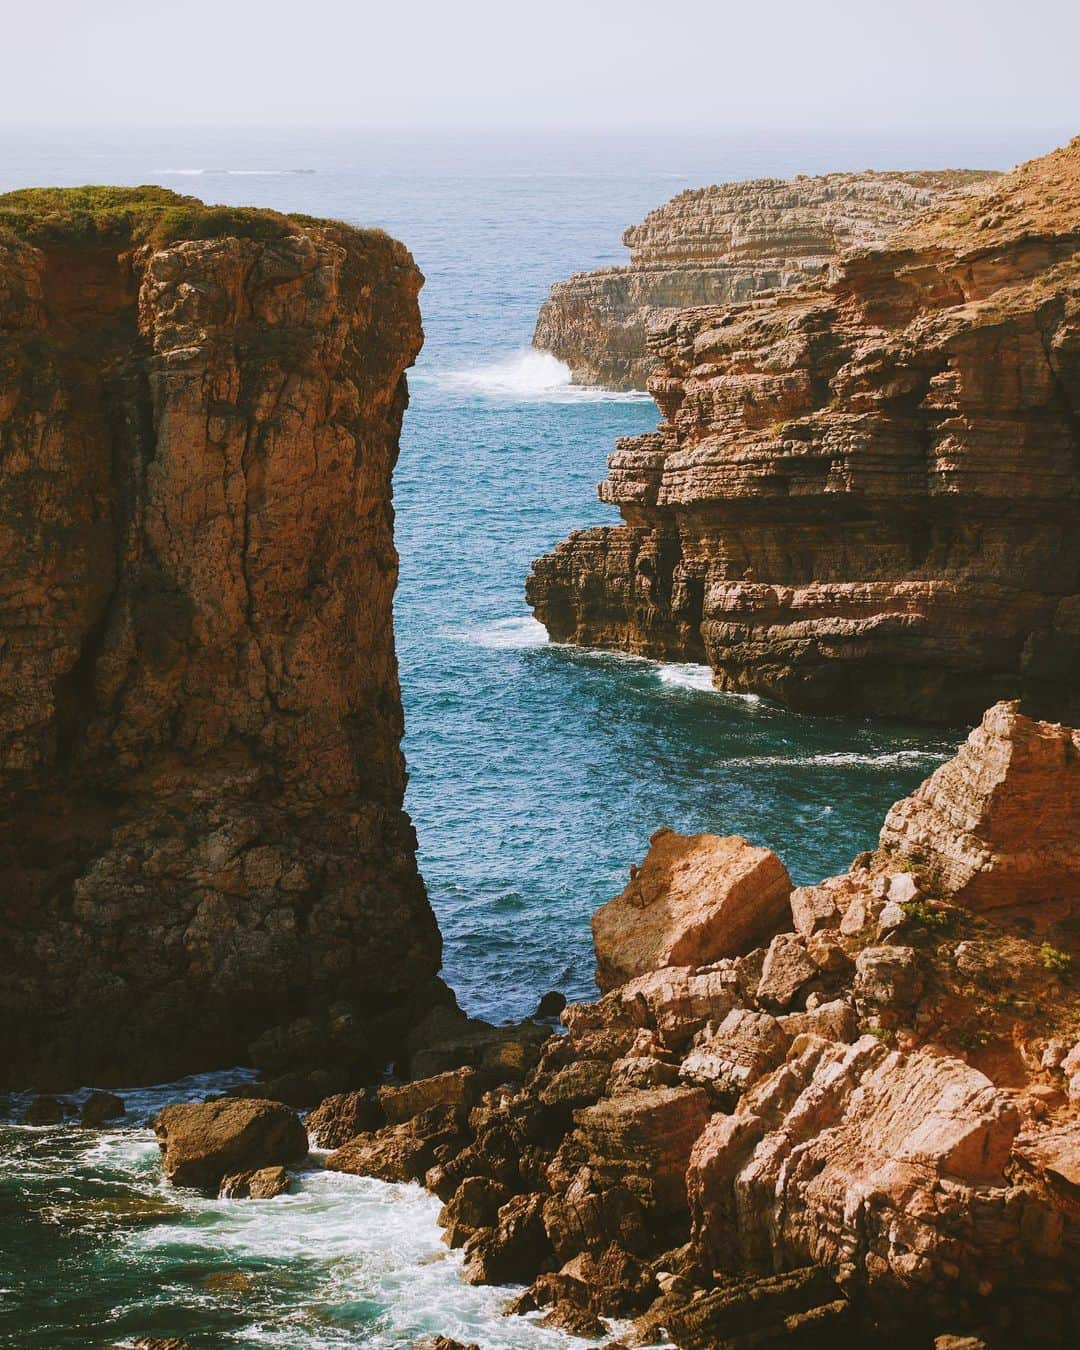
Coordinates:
(201,825)
(864,496)
(717,245)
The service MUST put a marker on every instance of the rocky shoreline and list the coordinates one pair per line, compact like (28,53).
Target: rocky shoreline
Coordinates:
(800,1116)
(863,498)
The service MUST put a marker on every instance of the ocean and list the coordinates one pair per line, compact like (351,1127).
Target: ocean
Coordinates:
(537,772)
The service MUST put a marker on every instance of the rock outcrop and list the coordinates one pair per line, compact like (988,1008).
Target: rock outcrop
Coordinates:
(719,245)
(201,826)
(864,497)
(203,1143)
(695,899)
(864,1132)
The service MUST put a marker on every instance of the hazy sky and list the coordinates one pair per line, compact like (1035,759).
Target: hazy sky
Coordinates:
(584,63)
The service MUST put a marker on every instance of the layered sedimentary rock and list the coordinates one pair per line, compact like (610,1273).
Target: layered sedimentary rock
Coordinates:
(721,244)
(201,826)
(865,496)
(864,1131)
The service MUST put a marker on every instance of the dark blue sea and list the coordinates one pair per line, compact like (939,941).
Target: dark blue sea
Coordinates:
(537,772)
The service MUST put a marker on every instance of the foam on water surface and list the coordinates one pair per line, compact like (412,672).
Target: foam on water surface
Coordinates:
(524,376)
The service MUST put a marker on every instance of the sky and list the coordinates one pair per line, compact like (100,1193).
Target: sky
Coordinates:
(570,64)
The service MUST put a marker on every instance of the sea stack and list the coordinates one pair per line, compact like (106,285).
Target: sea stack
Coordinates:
(718,245)
(201,825)
(864,496)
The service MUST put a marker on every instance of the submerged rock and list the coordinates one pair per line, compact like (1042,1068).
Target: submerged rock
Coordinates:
(201,1143)
(100,1107)
(44,1111)
(264,1183)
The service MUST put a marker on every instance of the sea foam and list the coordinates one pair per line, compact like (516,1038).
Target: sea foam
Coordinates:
(525,376)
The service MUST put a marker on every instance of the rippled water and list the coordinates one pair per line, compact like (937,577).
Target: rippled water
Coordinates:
(538,772)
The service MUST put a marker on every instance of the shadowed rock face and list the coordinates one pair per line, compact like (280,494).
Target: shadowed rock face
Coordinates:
(864,497)
(201,830)
(718,245)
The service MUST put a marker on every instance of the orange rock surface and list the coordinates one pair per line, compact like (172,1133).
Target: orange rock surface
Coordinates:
(864,495)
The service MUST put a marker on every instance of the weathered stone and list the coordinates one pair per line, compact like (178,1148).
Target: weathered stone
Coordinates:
(339,1118)
(475,1204)
(745,1046)
(200,776)
(695,899)
(999,824)
(862,498)
(511,1250)
(262,1184)
(787,968)
(457,1088)
(403,1152)
(888,977)
(44,1111)
(100,1107)
(717,245)
(203,1142)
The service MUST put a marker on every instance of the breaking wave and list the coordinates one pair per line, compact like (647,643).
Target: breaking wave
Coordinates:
(525,376)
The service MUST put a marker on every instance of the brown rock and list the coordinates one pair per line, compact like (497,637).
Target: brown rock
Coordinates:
(100,1107)
(787,968)
(863,495)
(263,1184)
(339,1118)
(745,1046)
(513,1249)
(475,1204)
(999,824)
(457,1088)
(888,977)
(695,899)
(716,245)
(203,1142)
(402,1152)
(856,1153)
(200,776)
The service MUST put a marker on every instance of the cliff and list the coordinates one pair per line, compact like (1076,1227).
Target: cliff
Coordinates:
(863,497)
(718,245)
(201,826)
(854,1122)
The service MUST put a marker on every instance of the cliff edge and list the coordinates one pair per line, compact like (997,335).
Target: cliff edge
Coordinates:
(201,826)
(719,245)
(864,496)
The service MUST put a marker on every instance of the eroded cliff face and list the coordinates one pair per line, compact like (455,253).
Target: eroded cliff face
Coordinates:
(201,826)
(855,1120)
(718,245)
(864,496)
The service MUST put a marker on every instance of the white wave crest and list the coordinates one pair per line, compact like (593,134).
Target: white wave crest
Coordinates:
(526,376)
(503,634)
(838,759)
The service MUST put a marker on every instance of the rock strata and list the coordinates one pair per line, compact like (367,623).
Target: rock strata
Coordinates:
(863,1131)
(719,245)
(201,827)
(864,496)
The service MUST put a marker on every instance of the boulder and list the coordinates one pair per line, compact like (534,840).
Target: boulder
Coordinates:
(888,977)
(998,825)
(203,1142)
(787,968)
(513,1249)
(695,899)
(861,1153)
(401,1152)
(100,1107)
(474,1205)
(745,1046)
(44,1111)
(456,1088)
(263,1184)
(339,1118)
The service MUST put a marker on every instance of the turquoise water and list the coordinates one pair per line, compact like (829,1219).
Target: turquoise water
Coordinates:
(537,772)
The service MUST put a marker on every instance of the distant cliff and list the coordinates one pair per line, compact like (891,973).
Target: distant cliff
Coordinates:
(201,826)
(864,496)
(715,245)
